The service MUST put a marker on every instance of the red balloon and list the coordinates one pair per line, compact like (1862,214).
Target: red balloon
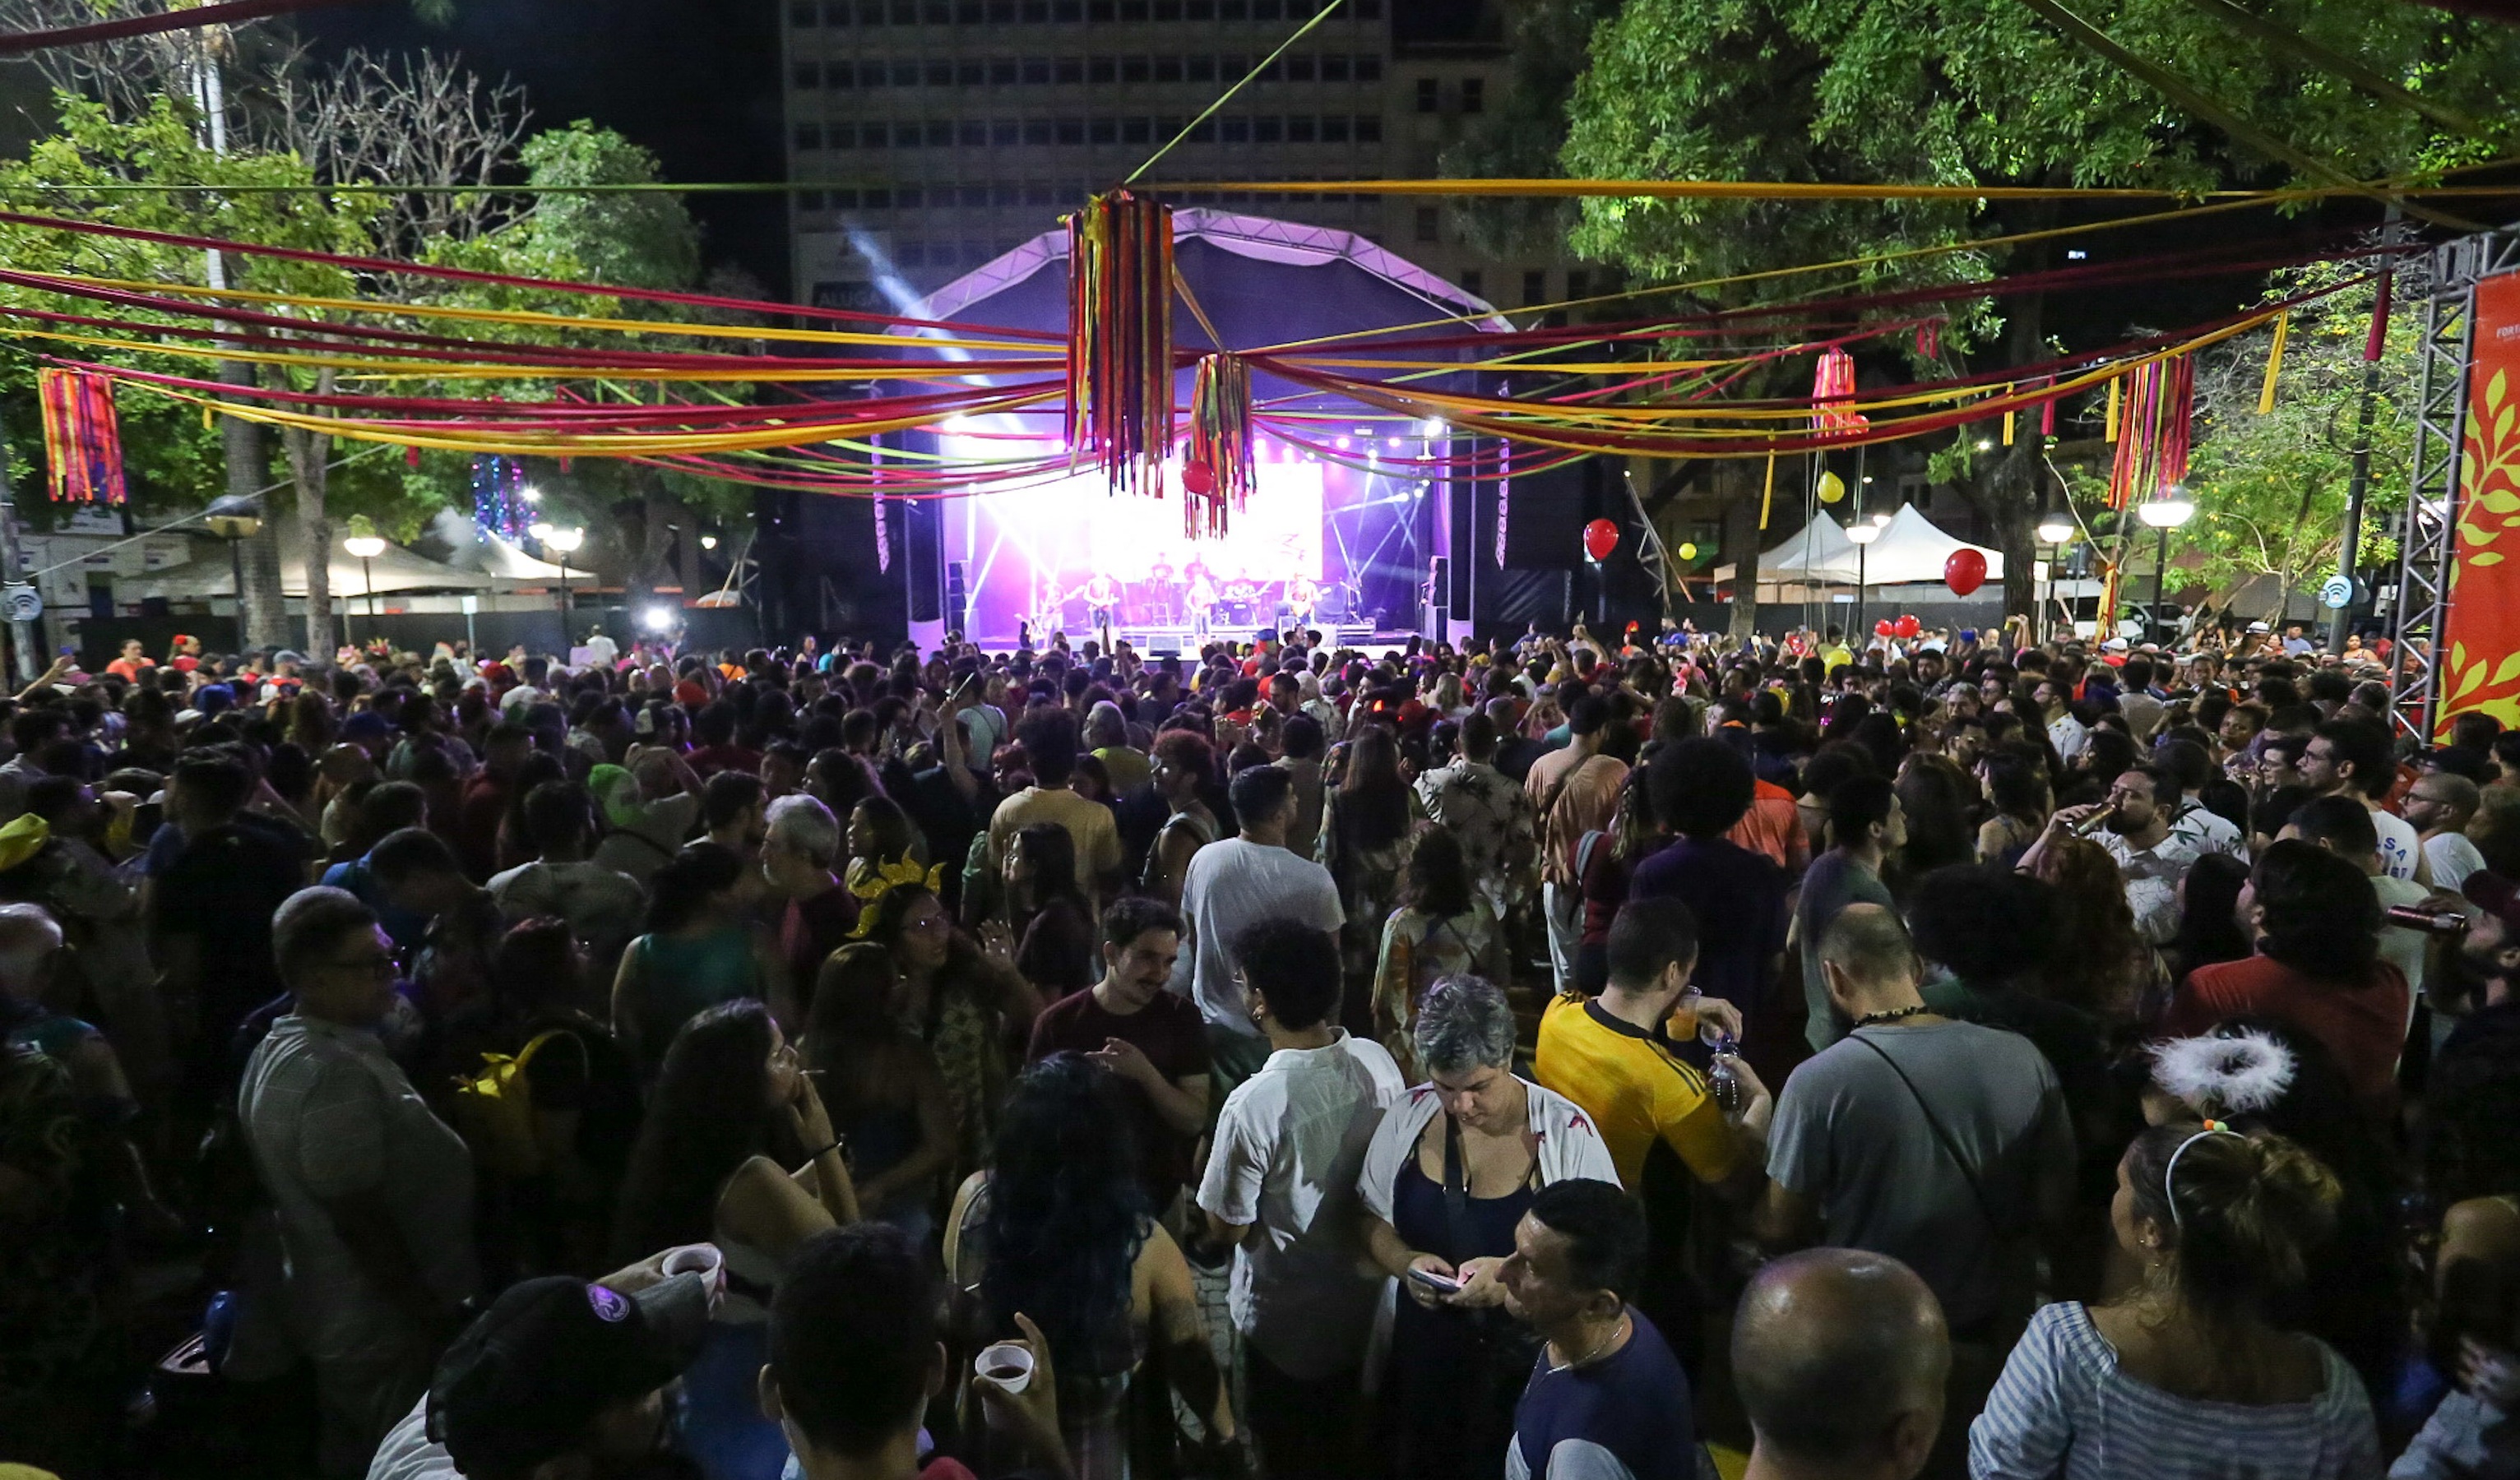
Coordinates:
(1601,537)
(1908,626)
(1965,571)
(1198,478)
(1885,628)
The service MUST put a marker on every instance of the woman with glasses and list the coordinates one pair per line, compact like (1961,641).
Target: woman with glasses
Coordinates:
(1450,1172)
(734,1109)
(964,998)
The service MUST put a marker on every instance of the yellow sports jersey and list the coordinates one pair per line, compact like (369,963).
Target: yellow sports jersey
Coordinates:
(1635,1089)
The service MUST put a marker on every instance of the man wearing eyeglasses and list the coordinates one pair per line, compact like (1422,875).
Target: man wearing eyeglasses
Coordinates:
(2138,834)
(373,1192)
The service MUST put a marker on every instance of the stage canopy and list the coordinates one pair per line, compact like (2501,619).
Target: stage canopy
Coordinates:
(1344,505)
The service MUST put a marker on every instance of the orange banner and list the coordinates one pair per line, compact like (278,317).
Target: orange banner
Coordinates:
(2482,669)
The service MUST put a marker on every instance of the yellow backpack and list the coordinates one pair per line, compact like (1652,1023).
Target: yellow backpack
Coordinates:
(494,1110)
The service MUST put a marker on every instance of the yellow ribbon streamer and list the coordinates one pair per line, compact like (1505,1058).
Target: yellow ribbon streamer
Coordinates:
(2275,363)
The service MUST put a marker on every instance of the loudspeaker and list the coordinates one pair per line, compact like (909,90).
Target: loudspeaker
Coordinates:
(922,548)
(1439,584)
(955,602)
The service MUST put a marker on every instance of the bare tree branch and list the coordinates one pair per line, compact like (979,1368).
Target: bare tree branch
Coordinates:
(403,121)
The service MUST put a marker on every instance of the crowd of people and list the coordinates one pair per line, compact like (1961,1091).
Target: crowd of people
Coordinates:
(1558,1057)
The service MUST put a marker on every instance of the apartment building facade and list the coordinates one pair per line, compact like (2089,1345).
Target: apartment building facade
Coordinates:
(928,136)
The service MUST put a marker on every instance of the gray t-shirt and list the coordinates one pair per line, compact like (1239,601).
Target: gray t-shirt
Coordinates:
(1831,883)
(1853,1140)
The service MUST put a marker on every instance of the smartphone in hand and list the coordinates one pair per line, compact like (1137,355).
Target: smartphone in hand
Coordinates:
(1441,1284)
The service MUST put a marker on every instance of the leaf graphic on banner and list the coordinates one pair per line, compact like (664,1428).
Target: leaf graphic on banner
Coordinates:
(2488,557)
(2470,678)
(2457,655)
(2503,670)
(2500,501)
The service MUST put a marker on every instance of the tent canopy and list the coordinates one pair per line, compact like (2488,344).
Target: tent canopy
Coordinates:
(1818,552)
(501,558)
(1912,551)
(212,573)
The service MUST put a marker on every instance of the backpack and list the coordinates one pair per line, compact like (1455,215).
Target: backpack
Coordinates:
(494,1111)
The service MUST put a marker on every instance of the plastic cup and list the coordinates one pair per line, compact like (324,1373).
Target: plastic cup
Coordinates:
(1006,1367)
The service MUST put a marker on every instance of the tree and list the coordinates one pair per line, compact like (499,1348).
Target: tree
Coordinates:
(2270,491)
(1977,92)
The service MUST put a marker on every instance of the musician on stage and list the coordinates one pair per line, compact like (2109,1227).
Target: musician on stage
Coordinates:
(1164,590)
(1201,598)
(1303,594)
(1102,596)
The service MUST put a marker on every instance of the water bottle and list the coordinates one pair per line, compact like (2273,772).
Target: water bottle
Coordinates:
(1726,1082)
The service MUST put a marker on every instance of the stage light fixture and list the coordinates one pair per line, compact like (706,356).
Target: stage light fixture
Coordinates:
(1431,427)
(708,541)
(531,495)
(541,531)
(656,619)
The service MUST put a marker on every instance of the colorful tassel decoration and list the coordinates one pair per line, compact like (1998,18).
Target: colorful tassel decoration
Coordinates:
(2008,419)
(1768,494)
(1834,381)
(2047,413)
(2152,453)
(1120,338)
(2111,433)
(1221,470)
(2378,338)
(1929,339)
(83,441)
(2275,363)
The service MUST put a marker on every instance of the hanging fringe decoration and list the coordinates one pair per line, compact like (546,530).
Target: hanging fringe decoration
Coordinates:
(82,443)
(1221,470)
(1929,339)
(2152,453)
(1834,381)
(2116,384)
(2008,418)
(2047,413)
(2275,363)
(2378,338)
(1768,494)
(1120,338)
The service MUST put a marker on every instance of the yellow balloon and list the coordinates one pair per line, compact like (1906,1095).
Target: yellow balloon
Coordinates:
(1689,551)
(1832,488)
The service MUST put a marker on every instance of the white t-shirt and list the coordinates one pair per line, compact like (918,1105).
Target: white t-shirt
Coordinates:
(1289,1144)
(519,696)
(409,1453)
(2211,831)
(2400,947)
(2399,849)
(2452,858)
(2069,736)
(1230,886)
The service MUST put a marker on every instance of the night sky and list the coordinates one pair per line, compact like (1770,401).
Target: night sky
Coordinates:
(699,84)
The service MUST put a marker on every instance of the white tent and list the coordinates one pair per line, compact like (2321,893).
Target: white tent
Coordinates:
(1912,551)
(497,557)
(1818,553)
(210,572)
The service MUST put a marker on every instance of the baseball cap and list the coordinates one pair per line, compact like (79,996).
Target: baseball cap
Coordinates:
(521,1384)
(2496,895)
(367,724)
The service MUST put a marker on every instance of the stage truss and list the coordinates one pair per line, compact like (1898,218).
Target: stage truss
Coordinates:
(2446,281)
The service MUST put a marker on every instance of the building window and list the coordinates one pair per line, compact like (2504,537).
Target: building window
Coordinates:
(1299,129)
(809,75)
(1300,67)
(1369,128)
(808,14)
(1234,129)
(1365,10)
(844,135)
(969,197)
(1266,10)
(871,135)
(1006,133)
(940,74)
(809,136)
(905,75)
(1232,10)
(1335,128)
(1067,11)
(907,197)
(1267,129)
(870,74)
(1335,68)
(1003,71)
(1100,12)
(1038,193)
(1470,282)
(1002,12)
(870,12)
(1168,9)
(1136,69)
(1005,195)
(1270,69)
(1202,132)
(1036,12)
(1102,71)
(970,71)
(1105,132)
(1068,70)
(1036,71)
(937,12)
(1200,10)
(1578,284)
(968,13)
(841,75)
(1168,68)
(1071,131)
(1473,94)
(877,199)
(1200,68)
(1368,67)
(1429,224)
(1535,287)
(1137,130)
(1430,95)
(1037,130)
(1134,11)
(910,253)
(904,12)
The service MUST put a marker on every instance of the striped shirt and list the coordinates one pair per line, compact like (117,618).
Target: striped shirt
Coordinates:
(2063,1409)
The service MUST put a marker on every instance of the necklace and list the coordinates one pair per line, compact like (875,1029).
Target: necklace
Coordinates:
(1600,1346)
(1893,1016)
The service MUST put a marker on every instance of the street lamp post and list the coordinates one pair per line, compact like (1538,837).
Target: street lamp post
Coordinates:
(2055,529)
(235,529)
(2164,513)
(366,547)
(566,541)
(1863,532)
